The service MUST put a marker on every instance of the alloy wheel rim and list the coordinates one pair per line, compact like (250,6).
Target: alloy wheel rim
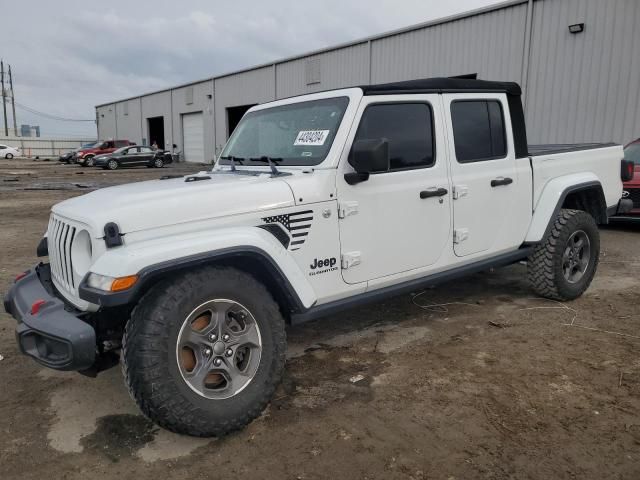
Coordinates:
(576,257)
(218,349)
(158,163)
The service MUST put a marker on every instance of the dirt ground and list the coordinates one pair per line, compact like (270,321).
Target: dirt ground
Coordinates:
(495,384)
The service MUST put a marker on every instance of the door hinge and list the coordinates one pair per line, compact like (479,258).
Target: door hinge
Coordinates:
(460,235)
(350,259)
(460,191)
(347,208)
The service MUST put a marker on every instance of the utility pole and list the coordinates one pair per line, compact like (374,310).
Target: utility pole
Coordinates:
(13,104)
(4,99)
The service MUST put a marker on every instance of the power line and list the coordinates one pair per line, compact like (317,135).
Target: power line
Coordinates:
(51,116)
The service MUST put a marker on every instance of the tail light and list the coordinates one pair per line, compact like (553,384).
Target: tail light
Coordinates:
(626,170)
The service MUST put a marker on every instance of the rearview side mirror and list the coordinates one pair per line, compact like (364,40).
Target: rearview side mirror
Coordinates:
(366,157)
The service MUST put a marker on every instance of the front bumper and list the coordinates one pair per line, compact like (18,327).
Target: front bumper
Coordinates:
(54,336)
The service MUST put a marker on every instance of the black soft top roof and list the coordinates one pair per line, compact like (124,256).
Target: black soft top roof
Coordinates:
(443,85)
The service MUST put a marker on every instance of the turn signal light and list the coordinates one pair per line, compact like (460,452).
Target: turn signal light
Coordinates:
(123,283)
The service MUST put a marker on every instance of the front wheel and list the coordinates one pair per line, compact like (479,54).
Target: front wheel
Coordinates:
(89,162)
(158,163)
(204,352)
(563,265)
(112,165)
(9,156)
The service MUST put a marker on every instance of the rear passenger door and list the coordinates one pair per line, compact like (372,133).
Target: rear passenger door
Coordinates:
(483,173)
(146,154)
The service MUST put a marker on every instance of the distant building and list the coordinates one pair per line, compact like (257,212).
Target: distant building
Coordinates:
(573,58)
(29,130)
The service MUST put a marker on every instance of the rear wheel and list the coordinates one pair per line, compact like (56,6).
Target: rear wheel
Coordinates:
(204,352)
(112,164)
(563,265)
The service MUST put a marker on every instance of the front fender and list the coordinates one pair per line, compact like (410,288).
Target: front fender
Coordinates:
(150,260)
(551,199)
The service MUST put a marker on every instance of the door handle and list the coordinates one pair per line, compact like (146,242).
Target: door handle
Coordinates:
(500,181)
(433,192)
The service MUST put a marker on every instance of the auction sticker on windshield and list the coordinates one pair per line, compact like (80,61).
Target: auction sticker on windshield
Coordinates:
(311,137)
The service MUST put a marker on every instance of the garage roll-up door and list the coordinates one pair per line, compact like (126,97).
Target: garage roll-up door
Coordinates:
(193,135)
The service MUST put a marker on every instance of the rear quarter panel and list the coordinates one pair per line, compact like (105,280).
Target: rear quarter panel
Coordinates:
(602,164)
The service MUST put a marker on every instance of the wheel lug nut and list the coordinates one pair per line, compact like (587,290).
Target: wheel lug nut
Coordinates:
(225,337)
(207,351)
(217,362)
(229,352)
(213,337)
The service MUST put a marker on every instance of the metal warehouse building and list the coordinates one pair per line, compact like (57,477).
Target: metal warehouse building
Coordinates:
(578,62)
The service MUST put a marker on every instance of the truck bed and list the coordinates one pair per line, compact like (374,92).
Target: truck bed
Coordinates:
(553,148)
(577,163)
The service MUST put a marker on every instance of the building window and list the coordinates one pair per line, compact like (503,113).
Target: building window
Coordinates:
(478,130)
(125,108)
(188,95)
(408,127)
(312,71)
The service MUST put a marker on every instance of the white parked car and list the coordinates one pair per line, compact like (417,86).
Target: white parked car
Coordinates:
(319,203)
(8,152)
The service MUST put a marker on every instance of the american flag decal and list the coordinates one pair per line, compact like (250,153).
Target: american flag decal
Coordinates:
(297,224)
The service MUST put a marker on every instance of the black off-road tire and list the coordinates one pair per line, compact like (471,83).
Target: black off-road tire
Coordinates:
(544,266)
(151,368)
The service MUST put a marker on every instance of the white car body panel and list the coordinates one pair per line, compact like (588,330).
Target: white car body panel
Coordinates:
(7,149)
(387,234)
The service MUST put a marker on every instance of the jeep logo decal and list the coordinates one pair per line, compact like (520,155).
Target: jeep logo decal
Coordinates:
(320,265)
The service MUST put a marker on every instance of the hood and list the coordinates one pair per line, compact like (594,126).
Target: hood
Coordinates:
(158,203)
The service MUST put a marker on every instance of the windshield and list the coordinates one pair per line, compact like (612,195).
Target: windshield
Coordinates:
(296,134)
(632,152)
(120,150)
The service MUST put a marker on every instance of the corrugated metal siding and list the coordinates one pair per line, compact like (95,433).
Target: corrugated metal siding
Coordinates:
(254,86)
(580,88)
(129,126)
(490,44)
(584,87)
(200,102)
(157,105)
(338,68)
(106,122)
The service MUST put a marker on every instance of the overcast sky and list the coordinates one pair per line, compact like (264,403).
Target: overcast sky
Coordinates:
(69,55)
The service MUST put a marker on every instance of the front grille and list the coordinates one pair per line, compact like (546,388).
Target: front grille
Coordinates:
(634,195)
(59,240)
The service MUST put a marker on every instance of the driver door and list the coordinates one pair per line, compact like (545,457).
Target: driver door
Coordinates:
(399,219)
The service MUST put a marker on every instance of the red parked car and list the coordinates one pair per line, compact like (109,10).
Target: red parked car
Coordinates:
(632,187)
(85,156)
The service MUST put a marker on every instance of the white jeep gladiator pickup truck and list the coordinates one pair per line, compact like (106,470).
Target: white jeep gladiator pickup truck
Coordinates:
(318,203)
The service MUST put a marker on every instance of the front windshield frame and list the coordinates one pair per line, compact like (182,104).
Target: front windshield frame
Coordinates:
(632,152)
(342,102)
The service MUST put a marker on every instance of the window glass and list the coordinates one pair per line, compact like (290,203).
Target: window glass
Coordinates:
(2,147)
(145,150)
(478,130)
(121,143)
(295,134)
(409,129)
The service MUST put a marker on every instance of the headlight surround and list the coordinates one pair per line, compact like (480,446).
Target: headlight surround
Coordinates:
(111,284)
(100,282)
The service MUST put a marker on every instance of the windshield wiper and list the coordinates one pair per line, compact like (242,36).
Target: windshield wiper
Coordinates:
(271,161)
(233,161)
